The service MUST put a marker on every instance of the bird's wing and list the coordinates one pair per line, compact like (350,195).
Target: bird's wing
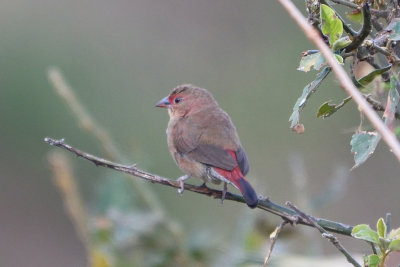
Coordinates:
(243,163)
(193,139)
(214,156)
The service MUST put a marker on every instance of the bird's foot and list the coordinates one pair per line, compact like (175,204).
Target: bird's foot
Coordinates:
(181,180)
(224,190)
(203,185)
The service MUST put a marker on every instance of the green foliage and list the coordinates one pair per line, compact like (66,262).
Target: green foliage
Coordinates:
(371,260)
(395,245)
(309,61)
(333,28)
(327,109)
(356,16)
(392,104)
(341,43)
(384,243)
(363,145)
(331,25)
(339,59)
(395,35)
(381,227)
(364,81)
(307,92)
(364,232)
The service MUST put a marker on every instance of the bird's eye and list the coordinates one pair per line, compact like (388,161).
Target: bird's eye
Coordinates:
(177,100)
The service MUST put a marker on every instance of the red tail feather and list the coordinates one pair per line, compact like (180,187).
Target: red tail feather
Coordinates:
(237,178)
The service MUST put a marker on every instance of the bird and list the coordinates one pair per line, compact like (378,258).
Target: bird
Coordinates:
(203,141)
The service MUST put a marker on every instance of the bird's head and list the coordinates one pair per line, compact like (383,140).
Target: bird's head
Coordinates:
(186,99)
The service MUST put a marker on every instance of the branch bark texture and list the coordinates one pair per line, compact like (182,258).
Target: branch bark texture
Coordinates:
(263,203)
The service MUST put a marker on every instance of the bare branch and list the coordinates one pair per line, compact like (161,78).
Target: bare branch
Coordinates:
(346,3)
(343,78)
(263,203)
(274,237)
(325,234)
(376,105)
(365,30)
(376,12)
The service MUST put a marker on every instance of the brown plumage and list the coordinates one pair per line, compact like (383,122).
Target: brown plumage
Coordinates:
(204,142)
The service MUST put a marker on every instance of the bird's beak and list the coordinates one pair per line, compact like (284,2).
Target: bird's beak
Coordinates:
(163,103)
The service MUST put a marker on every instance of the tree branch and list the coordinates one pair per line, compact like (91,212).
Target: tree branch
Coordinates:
(325,234)
(365,30)
(274,237)
(376,105)
(263,203)
(355,6)
(343,78)
(346,3)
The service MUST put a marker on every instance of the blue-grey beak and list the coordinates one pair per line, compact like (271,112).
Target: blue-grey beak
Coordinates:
(163,103)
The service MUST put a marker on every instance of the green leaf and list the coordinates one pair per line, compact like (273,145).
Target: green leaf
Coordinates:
(315,61)
(308,90)
(327,109)
(363,145)
(331,25)
(339,59)
(341,43)
(364,81)
(381,228)
(373,260)
(394,234)
(397,131)
(356,16)
(383,244)
(395,245)
(395,35)
(392,103)
(99,259)
(364,232)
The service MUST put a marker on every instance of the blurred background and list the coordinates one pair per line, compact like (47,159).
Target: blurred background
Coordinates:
(120,58)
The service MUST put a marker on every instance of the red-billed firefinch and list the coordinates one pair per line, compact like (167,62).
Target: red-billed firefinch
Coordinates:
(203,140)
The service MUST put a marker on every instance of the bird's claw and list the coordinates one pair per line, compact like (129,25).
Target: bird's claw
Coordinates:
(182,187)
(224,190)
(181,180)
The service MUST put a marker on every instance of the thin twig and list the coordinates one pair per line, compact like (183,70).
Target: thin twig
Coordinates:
(355,6)
(388,222)
(373,248)
(264,204)
(274,237)
(343,78)
(346,3)
(392,57)
(376,24)
(376,105)
(325,234)
(365,30)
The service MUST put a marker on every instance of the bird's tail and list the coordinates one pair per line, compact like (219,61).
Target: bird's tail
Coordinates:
(237,178)
(247,191)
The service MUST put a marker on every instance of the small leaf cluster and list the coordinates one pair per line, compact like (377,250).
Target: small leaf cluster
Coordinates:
(384,243)
(379,52)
